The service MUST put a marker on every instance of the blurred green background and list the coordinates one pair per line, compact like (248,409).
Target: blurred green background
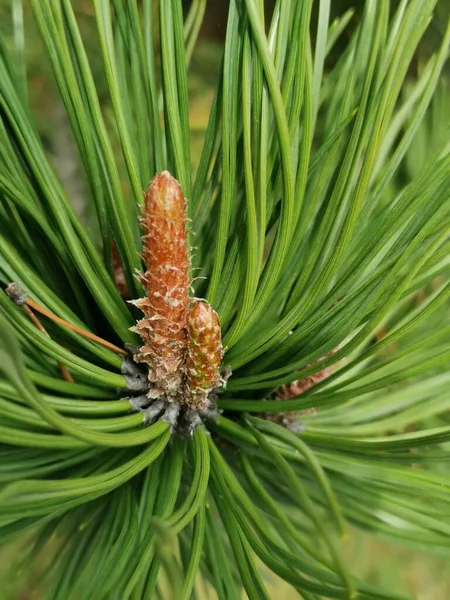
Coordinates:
(417,575)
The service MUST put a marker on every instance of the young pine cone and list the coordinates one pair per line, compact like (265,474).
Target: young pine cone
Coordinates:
(166,281)
(204,354)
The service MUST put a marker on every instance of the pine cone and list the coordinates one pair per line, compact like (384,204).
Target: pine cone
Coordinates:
(166,282)
(204,354)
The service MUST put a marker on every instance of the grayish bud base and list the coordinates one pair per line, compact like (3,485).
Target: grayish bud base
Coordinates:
(135,376)
(182,419)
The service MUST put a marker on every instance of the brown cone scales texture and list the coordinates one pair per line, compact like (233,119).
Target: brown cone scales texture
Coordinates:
(166,282)
(204,354)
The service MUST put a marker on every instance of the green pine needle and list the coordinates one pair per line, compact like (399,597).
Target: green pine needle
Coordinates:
(322,234)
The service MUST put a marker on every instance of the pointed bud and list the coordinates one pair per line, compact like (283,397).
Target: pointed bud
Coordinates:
(204,354)
(166,283)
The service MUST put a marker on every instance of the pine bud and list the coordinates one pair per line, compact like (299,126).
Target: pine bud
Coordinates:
(204,354)
(166,282)
(300,386)
(290,419)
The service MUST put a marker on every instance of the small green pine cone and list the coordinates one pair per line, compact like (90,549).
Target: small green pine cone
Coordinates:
(204,355)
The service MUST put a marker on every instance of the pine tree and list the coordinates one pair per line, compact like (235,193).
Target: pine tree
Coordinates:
(318,279)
